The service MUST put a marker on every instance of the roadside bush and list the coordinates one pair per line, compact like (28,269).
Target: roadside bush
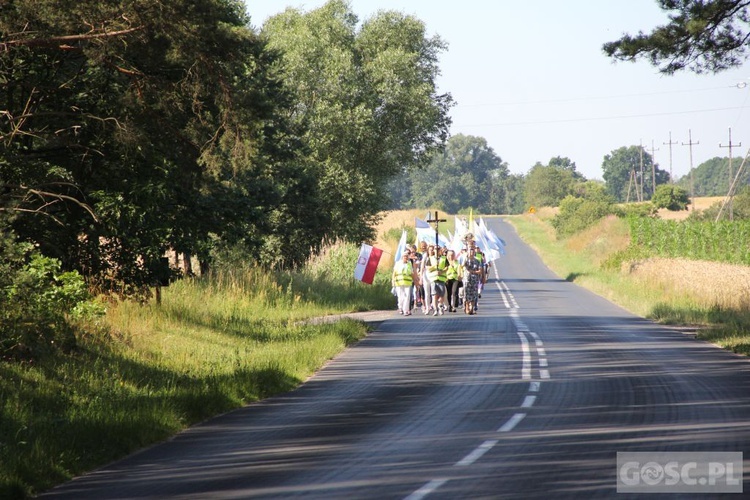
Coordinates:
(394,233)
(576,214)
(40,302)
(635,210)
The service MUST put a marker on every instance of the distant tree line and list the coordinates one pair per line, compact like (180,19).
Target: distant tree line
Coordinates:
(469,174)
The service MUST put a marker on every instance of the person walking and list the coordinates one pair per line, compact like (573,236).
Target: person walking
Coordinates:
(424,277)
(472,275)
(437,265)
(403,277)
(453,282)
(416,262)
(482,277)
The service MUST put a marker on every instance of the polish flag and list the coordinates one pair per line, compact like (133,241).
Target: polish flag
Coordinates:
(367,263)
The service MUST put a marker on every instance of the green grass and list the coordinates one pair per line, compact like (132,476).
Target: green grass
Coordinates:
(581,258)
(149,371)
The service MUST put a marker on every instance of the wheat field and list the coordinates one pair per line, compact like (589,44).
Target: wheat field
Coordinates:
(711,284)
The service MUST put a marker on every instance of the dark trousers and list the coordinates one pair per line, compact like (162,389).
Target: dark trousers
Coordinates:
(452,287)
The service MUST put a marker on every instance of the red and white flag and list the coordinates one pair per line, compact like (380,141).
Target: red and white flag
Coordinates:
(367,263)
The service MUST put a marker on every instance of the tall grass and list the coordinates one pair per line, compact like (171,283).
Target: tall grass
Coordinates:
(147,372)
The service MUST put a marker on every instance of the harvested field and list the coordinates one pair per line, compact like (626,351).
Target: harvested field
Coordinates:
(700,204)
(709,283)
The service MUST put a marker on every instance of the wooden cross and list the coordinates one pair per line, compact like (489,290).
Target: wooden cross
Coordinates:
(437,222)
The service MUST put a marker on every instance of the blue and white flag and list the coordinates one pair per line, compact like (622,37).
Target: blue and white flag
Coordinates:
(425,232)
(401,246)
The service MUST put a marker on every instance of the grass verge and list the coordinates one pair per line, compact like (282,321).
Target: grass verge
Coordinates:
(150,371)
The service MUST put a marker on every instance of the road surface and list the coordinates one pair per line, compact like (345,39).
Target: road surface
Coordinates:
(534,396)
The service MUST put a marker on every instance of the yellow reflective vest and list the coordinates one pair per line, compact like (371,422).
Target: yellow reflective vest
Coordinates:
(454,270)
(436,268)
(402,274)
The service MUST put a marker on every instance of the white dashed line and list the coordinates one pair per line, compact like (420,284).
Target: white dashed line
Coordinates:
(512,422)
(528,402)
(529,399)
(526,362)
(477,453)
(426,489)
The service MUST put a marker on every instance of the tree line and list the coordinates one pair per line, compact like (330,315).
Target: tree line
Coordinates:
(468,174)
(134,127)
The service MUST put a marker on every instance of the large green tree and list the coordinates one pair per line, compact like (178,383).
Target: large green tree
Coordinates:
(547,185)
(629,174)
(507,195)
(460,177)
(130,127)
(368,100)
(701,35)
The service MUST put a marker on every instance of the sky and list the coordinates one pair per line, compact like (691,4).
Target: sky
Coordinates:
(532,80)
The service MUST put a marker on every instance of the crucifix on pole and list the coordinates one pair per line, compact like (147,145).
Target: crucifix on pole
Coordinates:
(437,222)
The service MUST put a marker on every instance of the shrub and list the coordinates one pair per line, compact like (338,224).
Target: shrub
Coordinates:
(635,210)
(394,233)
(40,302)
(576,214)
(671,197)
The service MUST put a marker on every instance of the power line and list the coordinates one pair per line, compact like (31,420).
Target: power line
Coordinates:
(596,98)
(620,117)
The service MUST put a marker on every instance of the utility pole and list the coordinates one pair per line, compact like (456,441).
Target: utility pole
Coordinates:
(730,193)
(437,222)
(692,185)
(670,143)
(640,193)
(630,184)
(653,170)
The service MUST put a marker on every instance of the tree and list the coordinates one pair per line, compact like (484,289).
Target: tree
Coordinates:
(132,127)
(711,178)
(507,195)
(565,163)
(702,36)
(628,174)
(462,176)
(400,192)
(593,190)
(547,185)
(367,100)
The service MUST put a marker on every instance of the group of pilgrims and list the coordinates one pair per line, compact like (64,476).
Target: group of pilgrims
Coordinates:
(438,279)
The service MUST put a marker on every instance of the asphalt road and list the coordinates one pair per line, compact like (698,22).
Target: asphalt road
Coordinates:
(534,396)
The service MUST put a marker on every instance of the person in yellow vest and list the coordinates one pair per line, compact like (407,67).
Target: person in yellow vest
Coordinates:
(403,277)
(453,281)
(436,267)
